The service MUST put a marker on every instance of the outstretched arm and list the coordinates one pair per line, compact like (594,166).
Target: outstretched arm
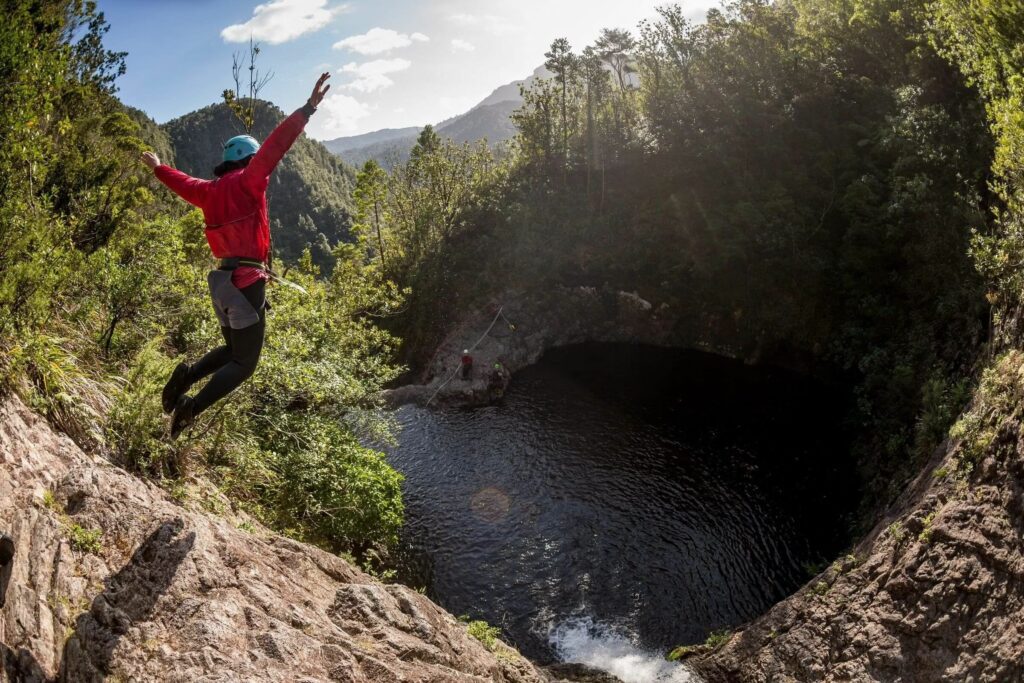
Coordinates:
(192,190)
(280,140)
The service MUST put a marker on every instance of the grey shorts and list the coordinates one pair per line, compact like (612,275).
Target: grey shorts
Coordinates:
(232,308)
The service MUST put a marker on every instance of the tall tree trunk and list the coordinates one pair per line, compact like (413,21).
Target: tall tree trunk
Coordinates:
(590,138)
(565,133)
(380,237)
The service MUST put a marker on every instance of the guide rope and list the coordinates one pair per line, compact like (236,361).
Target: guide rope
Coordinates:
(470,350)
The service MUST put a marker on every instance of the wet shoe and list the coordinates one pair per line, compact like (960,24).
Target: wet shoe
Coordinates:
(183,416)
(175,387)
(6,564)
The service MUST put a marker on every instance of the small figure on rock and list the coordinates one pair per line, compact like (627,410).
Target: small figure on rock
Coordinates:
(497,381)
(6,564)
(237,227)
(467,365)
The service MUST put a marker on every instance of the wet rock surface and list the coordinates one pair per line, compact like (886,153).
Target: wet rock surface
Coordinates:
(115,580)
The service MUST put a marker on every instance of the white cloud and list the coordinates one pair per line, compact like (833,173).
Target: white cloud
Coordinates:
(379,40)
(279,21)
(462,46)
(371,76)
(491,23)
(338,115)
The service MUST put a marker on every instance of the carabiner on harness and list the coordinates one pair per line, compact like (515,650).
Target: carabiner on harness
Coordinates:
(237,261)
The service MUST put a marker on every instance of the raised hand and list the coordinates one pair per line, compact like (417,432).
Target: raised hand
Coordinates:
(319,90)
(150,159)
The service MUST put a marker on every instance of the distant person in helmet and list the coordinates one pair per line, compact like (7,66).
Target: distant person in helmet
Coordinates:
(238,231)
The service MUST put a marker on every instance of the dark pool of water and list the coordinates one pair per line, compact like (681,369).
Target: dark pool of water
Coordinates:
(658,493)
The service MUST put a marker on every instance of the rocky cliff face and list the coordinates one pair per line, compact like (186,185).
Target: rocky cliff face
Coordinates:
(934,593)
(116,580)
(515,330)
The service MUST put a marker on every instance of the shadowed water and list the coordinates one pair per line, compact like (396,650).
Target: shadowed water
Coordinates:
(653,495)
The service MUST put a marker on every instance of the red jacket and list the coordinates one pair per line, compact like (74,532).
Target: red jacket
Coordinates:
(235,205)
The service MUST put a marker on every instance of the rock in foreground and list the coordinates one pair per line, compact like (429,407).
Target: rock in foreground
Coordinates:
(115,580)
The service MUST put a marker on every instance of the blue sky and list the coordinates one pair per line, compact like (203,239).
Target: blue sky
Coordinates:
(394,63)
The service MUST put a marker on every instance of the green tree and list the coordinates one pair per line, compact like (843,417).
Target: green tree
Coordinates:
(983,37)
(371,199)
(561,61)
(615,46)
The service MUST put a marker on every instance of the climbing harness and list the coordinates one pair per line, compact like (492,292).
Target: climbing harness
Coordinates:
(458,368)
(237,261)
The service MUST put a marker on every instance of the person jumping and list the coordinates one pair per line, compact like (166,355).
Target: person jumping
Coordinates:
(234,207)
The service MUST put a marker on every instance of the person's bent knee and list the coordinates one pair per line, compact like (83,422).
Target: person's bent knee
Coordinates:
(248,366)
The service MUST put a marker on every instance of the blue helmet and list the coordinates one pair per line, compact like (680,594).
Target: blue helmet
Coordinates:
(239,147)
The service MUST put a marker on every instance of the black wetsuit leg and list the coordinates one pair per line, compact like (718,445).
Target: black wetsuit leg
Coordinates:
(213,361)
(234,362)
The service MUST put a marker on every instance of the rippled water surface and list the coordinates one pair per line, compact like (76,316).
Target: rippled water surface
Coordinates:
(624,497)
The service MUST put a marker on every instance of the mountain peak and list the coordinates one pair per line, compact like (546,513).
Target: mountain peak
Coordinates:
(487,120)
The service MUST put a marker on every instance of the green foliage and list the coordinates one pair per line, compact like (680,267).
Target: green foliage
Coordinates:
(898,532)
(154,136)
(136,427)
(85,540)
(482,631)
(984,429)
(983,37)
(372,227)
(50,376)
(414,223)
(714,640)
(926,528)
(677,653)
(941,403)
(286,446)
(50,502)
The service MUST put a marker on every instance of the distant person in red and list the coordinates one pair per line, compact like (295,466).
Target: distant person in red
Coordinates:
(467,364)
(238,231)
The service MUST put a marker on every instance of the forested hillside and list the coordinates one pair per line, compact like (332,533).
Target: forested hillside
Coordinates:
(310,193)
(153,134)
(803,177)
